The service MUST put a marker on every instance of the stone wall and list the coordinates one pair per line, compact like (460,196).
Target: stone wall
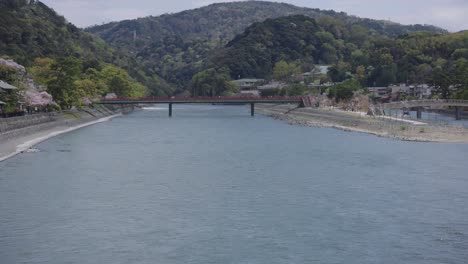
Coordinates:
(26,125)
(12,123)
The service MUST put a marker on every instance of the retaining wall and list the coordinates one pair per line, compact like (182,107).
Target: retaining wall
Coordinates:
(26,125)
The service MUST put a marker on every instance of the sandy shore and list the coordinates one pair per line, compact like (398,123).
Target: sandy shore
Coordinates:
(401,129)
(17,145)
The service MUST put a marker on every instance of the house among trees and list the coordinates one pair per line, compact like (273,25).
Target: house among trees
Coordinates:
(379,92)
(418,91)
(402,92)
(249,86)
(6,94)
(271,86)
(5,87)
(319,70)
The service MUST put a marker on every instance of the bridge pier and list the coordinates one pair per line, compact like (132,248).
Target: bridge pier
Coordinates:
(458,112)
(170,109)
(252,109)
(419,112)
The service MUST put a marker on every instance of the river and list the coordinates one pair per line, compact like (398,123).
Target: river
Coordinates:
(213,185)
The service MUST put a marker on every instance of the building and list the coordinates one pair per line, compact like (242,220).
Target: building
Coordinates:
(271,86)
(315,74)
(110,96)
(423,91)
(321,69)
(417,91)
(379,92)
(249,93)
(5,87)
(5,91)
(249,84)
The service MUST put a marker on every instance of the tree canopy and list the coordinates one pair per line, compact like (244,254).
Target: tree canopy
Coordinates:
(178,46)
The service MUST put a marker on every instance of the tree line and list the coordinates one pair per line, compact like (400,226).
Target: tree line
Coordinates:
(351,51)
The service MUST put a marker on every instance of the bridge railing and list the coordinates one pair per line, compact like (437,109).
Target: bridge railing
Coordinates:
(218,98)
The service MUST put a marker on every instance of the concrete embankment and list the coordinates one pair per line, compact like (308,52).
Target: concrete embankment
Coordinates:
(356,122)
(21,133)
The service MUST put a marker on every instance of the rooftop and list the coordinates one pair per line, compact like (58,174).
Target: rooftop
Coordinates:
(249,80)
(6,86)
(273,85)
(321,69)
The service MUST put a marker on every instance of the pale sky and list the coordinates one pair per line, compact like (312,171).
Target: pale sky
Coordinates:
(448,14)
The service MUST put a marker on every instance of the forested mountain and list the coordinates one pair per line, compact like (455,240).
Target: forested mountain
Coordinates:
(219,23)
(175,46)
(199,50)
(31,31)
(294,38)
(440,59)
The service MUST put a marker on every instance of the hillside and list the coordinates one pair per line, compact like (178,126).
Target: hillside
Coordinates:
(253,53)
(34,30)
(175,46)
(31,30)
(172,54)
(220,22)
(299,42)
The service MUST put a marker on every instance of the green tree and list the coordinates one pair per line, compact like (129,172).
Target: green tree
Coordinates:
(296,90)
(284,71)
(42,70)
(8,74)
(361,75)
(442,81)
(344,91)
(461,78)
(212,82)
(97,78)
(339,72)
(84,88)
(117,80)
(62,83)
(460,53)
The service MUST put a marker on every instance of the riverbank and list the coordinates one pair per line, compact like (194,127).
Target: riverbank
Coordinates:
(396,128)
(21,134)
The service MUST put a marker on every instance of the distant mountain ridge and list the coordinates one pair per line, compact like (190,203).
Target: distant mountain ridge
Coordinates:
(211,45)
(220,22)
(176,46)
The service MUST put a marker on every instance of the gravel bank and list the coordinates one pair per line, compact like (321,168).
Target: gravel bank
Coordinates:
(355,122)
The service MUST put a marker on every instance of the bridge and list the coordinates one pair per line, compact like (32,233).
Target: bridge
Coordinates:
(419,105)
(301,101)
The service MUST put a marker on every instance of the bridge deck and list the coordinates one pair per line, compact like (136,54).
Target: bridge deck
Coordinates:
(206,100)
(202,100)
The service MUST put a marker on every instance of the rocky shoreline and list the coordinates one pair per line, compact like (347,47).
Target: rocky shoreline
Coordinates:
(354,122)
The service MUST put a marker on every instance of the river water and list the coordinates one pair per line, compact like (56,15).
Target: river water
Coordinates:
(213,185)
